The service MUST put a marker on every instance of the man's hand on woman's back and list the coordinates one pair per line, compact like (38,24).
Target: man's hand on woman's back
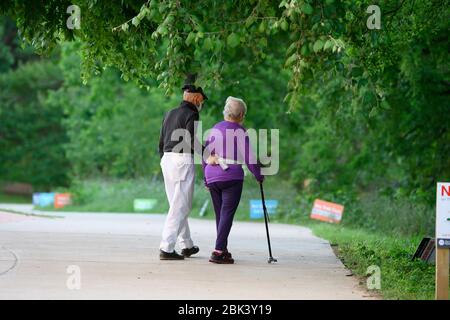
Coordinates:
(212,160)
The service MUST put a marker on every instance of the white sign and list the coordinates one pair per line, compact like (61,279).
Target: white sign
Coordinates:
(144,204)
(443,215)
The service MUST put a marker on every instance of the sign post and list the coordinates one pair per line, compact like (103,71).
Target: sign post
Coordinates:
(442,239)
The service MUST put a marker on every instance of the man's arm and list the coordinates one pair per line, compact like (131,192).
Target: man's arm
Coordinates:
(190,126)
(161,138)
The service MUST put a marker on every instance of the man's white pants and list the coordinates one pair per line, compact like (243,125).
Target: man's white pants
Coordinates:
(178,171)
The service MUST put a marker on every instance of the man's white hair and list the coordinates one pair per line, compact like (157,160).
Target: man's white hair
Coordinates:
(234,107)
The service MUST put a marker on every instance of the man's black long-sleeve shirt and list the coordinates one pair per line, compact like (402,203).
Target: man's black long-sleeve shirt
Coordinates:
(183,118)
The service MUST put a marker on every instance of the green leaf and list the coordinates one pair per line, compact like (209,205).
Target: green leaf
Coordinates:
(207,45)
(146,12)
(263,42)
(356,72)
(307,8)
(142,13)
(190,38)
(291,48)
(385,105)
(250,20)
(218,45)
(162,29)
(373,112)
(328,45)
(125,27)
(284,25)
(304,50)
(153,13)
(161,7)
(170,18)
(262,26)
(135,21)
(283,4)
(233,40)
(291,59)
(318,45)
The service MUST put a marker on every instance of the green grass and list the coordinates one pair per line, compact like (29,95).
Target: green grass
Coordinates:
(401,278)
(375,230)
(114,195)
(118,196)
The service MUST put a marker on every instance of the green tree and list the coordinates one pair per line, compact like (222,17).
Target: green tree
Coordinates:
(31,134)
(12,54)
(113,127)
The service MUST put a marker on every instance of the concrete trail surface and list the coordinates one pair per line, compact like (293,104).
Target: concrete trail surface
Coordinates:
(117,258)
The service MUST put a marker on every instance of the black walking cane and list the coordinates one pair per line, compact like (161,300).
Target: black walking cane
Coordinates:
(266,220)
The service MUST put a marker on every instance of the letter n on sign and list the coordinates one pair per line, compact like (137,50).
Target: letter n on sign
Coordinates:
(444,190)
(327,211)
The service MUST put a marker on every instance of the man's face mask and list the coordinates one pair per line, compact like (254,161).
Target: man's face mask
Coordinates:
(200,106)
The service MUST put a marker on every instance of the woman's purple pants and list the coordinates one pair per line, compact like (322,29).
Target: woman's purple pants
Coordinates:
(225,196)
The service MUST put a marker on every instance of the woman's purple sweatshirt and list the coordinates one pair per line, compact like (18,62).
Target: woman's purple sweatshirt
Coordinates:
(229,140)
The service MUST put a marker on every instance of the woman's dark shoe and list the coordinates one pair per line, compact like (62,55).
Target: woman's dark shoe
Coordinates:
(228,254)
(170,255)
(189,252)
(221,258)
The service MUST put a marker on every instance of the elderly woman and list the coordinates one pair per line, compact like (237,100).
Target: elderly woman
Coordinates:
(229,141)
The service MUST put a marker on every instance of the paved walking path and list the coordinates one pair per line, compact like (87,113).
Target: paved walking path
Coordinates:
(117,255)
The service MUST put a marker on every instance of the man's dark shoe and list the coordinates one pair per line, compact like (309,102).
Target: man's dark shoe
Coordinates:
(170,255)
(221,258)
(189,252)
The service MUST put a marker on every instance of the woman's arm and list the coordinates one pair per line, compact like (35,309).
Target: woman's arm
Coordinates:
(250,159)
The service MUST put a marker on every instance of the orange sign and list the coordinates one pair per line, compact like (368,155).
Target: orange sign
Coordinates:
(327,211)
(62,200)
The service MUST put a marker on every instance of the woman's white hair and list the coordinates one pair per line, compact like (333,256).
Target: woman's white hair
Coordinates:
(234,107)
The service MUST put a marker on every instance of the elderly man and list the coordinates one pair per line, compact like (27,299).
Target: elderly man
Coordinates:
(176,148)
(229,141)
